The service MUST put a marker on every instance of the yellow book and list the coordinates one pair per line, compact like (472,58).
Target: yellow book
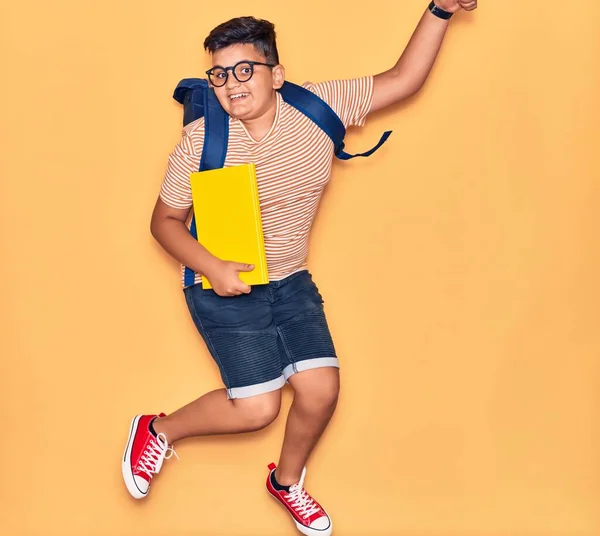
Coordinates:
(228,219)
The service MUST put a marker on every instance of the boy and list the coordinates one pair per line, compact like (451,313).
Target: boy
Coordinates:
(271,334)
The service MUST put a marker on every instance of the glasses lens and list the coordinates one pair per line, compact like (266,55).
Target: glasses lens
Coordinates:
(243,72)
(218,77)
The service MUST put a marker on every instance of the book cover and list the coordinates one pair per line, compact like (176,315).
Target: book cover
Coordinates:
(228,219)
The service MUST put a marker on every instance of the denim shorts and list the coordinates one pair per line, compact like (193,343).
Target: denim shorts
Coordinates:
(260,339)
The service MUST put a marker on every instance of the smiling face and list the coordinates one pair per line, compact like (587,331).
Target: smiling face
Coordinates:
(254,98)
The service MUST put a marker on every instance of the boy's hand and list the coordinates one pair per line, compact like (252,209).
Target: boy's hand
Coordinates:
(452,6)
(225,280)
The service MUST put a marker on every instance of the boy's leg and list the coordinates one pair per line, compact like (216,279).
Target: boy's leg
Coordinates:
(242,338)
(214,414)
(311,366)
(315,398)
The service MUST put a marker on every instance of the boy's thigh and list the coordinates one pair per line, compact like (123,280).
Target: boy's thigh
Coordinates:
(299,317)
(241,336)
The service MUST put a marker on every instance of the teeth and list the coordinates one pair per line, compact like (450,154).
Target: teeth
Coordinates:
(237,96)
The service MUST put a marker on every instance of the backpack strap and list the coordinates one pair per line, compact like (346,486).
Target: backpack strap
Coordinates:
(216,133)
(199,100)
(318,111)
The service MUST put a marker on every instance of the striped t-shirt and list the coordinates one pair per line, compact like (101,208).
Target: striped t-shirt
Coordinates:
(293,165)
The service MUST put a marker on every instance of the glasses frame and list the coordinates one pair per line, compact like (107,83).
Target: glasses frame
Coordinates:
(232,68)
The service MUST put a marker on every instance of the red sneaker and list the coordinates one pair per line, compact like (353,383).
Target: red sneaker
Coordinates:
(310,517)
(144,455)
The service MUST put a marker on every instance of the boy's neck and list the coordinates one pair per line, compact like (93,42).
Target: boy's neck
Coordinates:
(259,127)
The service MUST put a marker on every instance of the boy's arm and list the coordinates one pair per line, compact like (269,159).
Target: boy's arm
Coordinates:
(168,228)
(415,63)
(174,205)
(172,208)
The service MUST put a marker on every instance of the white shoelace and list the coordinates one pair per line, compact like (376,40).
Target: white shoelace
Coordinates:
(300,500)
(157,451)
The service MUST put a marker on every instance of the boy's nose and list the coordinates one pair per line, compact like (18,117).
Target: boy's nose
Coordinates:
(231,81)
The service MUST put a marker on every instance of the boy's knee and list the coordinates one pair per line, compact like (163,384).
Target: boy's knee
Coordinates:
(321,394)
(259,411)
(327,395)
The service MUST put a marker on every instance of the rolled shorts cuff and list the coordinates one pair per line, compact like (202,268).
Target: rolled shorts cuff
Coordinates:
(308,364)
(256,389)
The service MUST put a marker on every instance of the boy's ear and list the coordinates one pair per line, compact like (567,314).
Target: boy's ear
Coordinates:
(278,76)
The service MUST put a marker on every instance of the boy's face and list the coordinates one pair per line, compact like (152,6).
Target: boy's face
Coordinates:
(253,98)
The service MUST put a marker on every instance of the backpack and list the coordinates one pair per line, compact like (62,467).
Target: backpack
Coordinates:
(199,100)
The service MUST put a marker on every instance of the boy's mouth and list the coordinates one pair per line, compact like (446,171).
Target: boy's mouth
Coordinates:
(238,97)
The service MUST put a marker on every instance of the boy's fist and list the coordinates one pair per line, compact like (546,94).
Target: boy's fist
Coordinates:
(452,6)
(225,280)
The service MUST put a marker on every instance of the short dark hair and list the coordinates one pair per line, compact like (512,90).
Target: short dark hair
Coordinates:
(245,30)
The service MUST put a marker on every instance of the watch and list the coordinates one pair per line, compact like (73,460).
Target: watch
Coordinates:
(439,12)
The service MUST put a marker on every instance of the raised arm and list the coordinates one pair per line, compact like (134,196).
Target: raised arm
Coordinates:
(414,65)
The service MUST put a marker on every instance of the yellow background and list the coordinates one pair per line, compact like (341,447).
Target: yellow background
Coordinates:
(459,264)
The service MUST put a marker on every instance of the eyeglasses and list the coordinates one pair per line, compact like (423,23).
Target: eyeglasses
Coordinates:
(242,71)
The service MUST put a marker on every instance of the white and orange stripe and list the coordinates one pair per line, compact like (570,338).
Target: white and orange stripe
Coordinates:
(293,165)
